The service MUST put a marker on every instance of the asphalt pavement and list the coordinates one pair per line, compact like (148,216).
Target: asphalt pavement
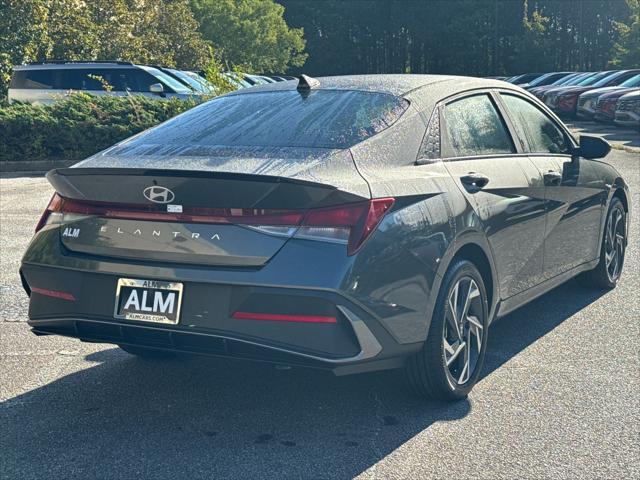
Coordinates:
(558,399)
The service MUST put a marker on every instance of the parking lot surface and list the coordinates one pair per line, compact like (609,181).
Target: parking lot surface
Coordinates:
(558,399)
(619,137)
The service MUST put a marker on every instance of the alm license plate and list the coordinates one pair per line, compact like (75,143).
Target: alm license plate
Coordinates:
(148,301)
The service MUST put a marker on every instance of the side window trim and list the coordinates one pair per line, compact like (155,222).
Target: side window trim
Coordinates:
(522,143)
(445,147)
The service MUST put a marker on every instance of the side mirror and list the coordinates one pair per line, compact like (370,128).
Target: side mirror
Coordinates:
(592,147)
(156,88)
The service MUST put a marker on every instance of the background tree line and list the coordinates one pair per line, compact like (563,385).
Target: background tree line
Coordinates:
(472,37)
(324,37)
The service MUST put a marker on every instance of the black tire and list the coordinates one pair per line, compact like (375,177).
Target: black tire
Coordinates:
(143,352)
(602,276)
(427,371)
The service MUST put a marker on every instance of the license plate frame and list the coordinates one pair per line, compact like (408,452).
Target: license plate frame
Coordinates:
(147,285)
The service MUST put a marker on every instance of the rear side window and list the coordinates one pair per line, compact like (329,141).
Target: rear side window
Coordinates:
(321,118)
(33,79)
(121,79)
(79,79)
(474,127)
(125,79)
(542,134)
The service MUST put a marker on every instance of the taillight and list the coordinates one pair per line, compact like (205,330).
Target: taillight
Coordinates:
(567,101)
(280,317)
(609,106)
(350,224)
(53,205)
(60,211)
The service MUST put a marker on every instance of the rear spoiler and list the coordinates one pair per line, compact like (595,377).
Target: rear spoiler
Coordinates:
(196,188)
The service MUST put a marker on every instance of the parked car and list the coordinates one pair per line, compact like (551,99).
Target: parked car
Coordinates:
(546,79)
(589,102)
(327,223)
(207,86)
(628,110)
(198,85)
(46,82)
(524,78)
(569,80)
(565,102)
(237,79)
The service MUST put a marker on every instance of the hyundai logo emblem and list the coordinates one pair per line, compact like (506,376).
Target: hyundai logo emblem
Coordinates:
(158,194)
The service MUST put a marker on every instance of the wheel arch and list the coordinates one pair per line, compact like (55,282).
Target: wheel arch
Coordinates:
(620,193)
(619,190)
(474,247)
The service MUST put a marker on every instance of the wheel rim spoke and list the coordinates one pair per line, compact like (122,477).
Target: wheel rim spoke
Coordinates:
(465,374)
(614,244)
(463,330)
(455,352)
(452,318)
(477,332)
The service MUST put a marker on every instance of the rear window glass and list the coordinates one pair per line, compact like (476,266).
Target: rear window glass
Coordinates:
(473,127)
(321,118)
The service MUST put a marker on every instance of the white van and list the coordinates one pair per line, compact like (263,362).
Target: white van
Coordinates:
(49,81)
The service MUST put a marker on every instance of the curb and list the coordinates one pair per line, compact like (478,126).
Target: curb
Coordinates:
(33,166)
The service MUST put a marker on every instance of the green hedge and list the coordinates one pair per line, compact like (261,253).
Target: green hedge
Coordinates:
(79,125)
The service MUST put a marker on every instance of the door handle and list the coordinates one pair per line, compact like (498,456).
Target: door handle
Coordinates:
(473,179)
(552,178)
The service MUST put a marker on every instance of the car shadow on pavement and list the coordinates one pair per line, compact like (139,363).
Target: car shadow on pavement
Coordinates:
(626,137)
(123,417)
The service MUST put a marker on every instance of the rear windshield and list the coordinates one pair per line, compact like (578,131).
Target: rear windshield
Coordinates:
(632,82)
(322,119)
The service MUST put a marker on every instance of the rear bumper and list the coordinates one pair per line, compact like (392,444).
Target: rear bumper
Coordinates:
(357,342)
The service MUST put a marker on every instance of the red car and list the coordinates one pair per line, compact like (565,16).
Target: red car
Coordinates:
(606,103)
(565,101)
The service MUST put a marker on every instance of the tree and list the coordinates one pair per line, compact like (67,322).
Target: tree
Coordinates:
(251,34)
(626,52)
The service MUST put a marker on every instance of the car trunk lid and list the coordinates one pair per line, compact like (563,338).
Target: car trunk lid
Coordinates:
(200,217)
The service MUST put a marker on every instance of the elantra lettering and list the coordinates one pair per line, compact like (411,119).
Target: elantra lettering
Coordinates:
(138,232)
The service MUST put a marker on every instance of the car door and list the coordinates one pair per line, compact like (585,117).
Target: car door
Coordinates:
(574,193)
(502,185)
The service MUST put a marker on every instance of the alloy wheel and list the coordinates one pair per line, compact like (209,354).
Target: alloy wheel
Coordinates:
(614,244)
(463,330)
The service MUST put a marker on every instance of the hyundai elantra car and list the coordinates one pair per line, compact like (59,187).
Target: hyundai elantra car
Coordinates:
(352,223)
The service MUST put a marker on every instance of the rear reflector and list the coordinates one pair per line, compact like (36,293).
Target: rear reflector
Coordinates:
(350,223)
(54,294)
(278,317)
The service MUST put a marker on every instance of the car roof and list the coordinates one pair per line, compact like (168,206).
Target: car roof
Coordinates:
(73,65)
(394,84)
(632,94)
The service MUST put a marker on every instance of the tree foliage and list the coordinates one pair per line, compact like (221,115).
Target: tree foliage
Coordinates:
(79,125)
(251,34)
(627,49)
(472,37)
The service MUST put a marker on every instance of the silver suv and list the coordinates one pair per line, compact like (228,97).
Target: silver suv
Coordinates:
(49,81)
